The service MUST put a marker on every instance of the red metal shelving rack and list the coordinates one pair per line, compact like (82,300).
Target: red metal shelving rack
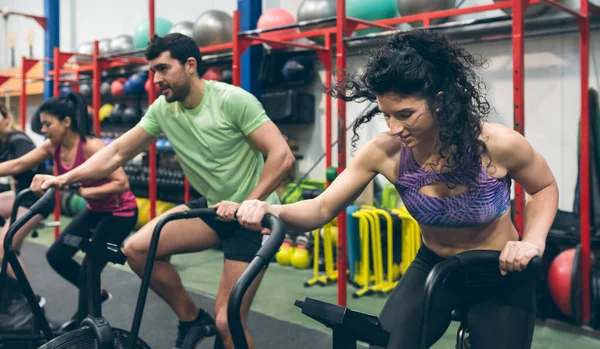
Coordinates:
(344,28)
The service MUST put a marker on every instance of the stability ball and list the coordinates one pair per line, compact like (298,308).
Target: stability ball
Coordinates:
(310,10)
(413,7)
(104,46)
(372,10)
(213,73)
(276,17)
(559,280)
(186,28)
(213,27)
(86,48)
(121,43)
(136,83)
(533,10)
(140,36)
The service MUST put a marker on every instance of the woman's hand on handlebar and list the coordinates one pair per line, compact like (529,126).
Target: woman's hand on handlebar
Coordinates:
(516,255)
(42,182)
(251,213)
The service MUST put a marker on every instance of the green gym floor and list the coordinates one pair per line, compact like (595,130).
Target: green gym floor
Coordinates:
(281,286)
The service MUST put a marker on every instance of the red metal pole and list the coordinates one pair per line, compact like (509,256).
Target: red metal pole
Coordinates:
(341,114)
(23,99)
(518,24)
(584,161)
(186,190)
(96,88)
(57,67)
(152,152)
(328,113)
(236,63)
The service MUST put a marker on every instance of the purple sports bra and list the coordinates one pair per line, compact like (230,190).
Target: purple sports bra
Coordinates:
(482,203)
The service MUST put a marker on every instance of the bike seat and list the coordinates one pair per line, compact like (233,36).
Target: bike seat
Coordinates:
(459,315)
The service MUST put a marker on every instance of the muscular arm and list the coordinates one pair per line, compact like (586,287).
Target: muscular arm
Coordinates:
(117,180)
(111,157)
(528,168)
(27,161)
(311,214)
(269,141)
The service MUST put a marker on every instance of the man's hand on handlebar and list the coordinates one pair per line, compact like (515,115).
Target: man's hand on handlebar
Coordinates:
(42,182)
(516,255)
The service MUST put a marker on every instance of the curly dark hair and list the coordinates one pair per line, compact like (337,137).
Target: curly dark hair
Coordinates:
(423,63)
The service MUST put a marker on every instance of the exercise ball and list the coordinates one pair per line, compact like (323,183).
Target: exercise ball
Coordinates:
(121,43)
(116,115)
(276,17)
(85,89)
(213,73)
(227,76)
(213,27)
(559,280)
(533,10)
(147,85)
(104,46)
(131,115)
(371,11)
(310,10)
(65,90)
(116,87)
(135,84)
(105,89)
(186,28)
(105,111)
(140,36)
(85,48)
(413,7)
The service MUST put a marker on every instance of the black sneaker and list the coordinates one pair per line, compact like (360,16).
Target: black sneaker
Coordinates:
(189,333)
(105,297)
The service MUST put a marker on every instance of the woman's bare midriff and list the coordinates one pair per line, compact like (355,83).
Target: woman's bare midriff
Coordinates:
(447,242)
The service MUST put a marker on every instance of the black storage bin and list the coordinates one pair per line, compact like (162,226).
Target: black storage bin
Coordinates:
(289,107)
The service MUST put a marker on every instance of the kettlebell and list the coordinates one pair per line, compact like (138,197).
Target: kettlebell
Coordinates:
(284,255)
(301,257)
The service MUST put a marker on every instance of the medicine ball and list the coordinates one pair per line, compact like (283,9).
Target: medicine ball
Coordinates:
(131,115)
(105,111)
(297,68)
(116,116)
(105,89)
(564,282)
(85,89)
(227,76)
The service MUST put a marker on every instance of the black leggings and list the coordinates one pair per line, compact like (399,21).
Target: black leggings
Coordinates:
(501,310)
(102,226)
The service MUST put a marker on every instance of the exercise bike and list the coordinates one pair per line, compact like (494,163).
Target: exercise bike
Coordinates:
(351,326)
(95,331)
(41,329)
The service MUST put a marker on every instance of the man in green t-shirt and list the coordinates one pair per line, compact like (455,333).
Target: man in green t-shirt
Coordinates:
(221,135)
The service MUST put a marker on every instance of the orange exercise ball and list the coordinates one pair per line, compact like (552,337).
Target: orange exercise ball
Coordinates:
(276,17)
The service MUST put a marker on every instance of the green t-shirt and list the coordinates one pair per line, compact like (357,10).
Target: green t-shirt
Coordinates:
(210,140)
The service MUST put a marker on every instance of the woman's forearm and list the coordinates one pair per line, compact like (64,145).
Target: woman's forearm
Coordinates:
(302,216)
(540,211)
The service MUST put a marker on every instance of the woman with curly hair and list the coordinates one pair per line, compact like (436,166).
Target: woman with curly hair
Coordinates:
(453,171)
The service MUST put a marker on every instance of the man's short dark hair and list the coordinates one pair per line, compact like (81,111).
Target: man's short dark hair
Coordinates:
(181,47)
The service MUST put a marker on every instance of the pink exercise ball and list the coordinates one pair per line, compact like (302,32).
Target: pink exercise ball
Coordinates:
(276,17)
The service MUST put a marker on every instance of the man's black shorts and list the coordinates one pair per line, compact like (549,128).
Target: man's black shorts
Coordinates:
(238,243)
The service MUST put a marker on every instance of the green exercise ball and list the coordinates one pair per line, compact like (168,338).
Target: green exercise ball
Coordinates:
(140,37)
(331,173)
(76,204)
(372,10)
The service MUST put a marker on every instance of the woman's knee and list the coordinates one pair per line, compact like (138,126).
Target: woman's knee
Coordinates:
(54,256)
